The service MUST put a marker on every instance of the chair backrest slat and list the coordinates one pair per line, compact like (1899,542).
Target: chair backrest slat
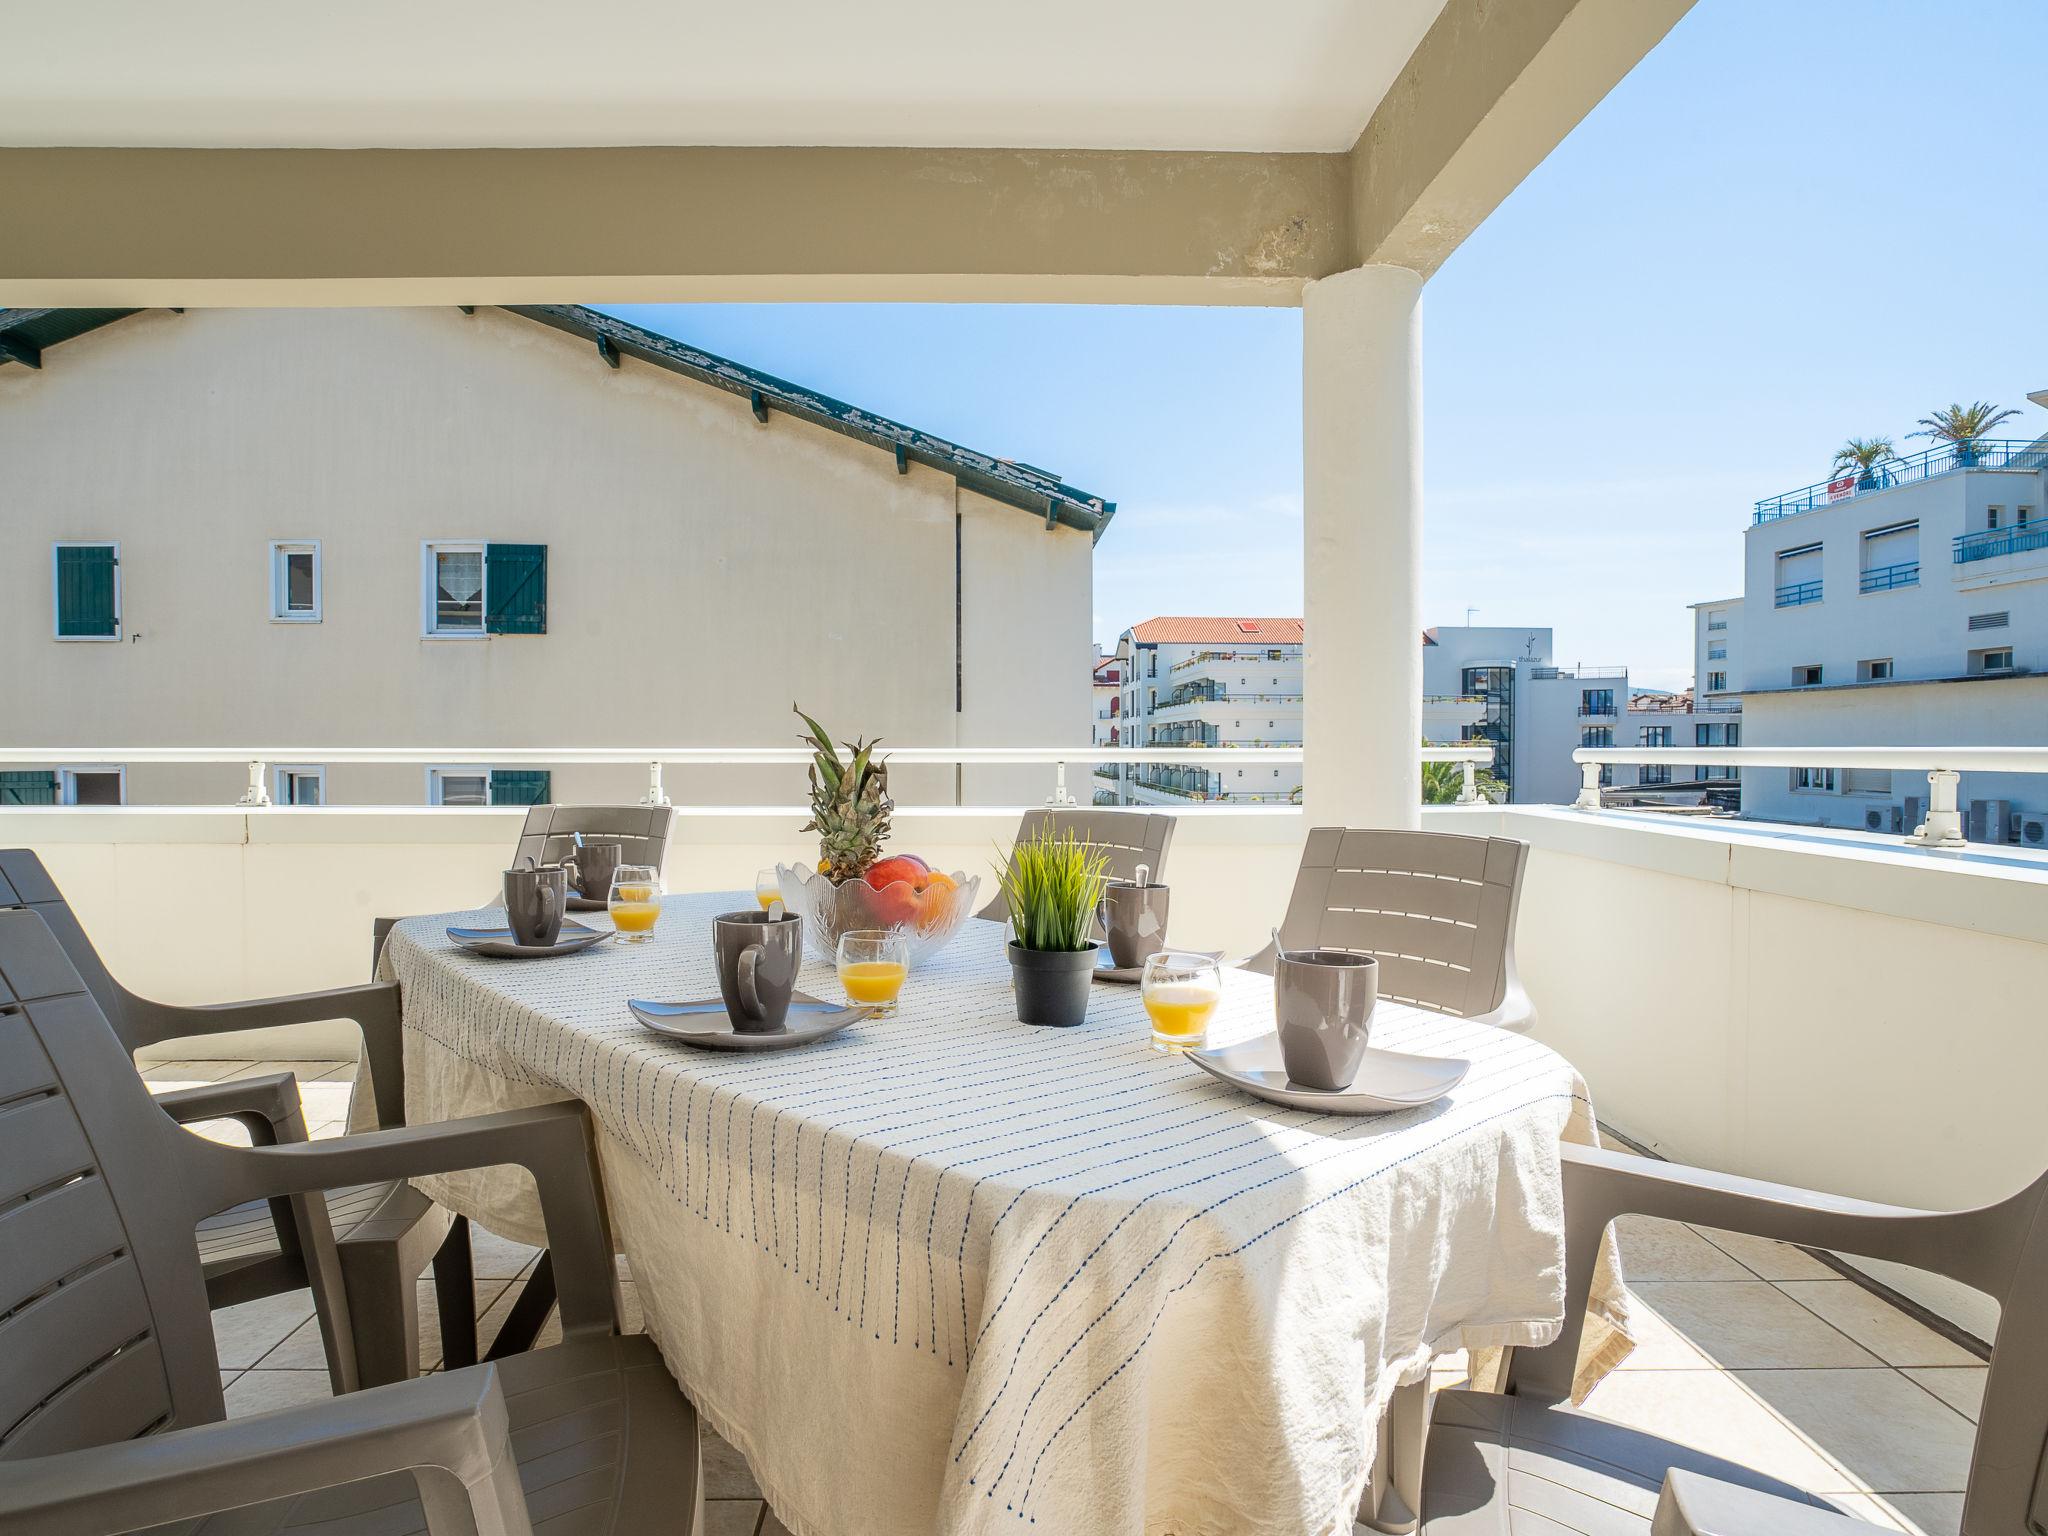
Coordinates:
(104,1330)
(25,883)
(1436,909)
(549,835)
(1129,838)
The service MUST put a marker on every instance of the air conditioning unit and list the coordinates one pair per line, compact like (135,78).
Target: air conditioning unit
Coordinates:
(1882,818)
(1912,813)
(2030,830)
(1990,821)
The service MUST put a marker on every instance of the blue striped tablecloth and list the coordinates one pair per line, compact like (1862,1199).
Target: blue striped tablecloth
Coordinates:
(948,1272)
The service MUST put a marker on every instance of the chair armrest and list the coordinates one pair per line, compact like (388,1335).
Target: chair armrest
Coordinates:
(268,1105)
(550,1141)
(1978,1247)
(373,1008)
(450,1430)
(1516,1012)
(1692,1505)
(1262,962)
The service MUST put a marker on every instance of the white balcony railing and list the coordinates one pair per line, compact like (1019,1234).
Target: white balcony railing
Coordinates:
(259,759)
(1944,767)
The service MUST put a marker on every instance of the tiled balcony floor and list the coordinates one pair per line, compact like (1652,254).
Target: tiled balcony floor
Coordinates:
(1750,1350)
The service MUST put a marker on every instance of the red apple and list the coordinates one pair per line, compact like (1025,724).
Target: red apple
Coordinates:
(884,873)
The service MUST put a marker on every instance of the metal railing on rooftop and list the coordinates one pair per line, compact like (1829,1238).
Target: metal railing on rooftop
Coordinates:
(1944,767)
(1988,543)
(1942,459)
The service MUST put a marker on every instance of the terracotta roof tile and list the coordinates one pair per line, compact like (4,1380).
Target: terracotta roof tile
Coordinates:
(1218,631)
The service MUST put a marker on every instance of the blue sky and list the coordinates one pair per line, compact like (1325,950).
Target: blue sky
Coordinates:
(1792,223)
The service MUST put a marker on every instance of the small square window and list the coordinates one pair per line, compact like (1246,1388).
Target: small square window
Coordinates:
(85,581)
(458,786)
(93,786)
(295,583)
(455,589)
(298,784)
(1991,515)
(1806,677)
(1997,660)
(1874,671)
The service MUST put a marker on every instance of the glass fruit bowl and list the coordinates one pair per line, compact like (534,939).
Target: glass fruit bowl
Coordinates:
(926,918)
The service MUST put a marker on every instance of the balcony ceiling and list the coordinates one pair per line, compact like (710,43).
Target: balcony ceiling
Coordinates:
(1149,74)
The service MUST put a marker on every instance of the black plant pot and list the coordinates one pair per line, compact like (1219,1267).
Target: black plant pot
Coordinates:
(1052,984)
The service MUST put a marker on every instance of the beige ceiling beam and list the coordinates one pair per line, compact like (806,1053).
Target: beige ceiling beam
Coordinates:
(136,227)
(1494,86)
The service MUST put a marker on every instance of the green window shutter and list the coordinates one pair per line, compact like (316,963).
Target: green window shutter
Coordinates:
(516,589)
(85,591)
(520,786)
(34,786)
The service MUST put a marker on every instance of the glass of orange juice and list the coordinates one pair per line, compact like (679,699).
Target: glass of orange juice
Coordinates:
(767,888)
(1181,993)
(872,965)
(635,902)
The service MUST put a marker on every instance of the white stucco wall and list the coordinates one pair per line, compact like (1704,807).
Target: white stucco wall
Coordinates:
(704,570)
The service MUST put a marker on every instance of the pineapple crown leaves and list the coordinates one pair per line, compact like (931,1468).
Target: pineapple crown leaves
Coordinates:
(850,803)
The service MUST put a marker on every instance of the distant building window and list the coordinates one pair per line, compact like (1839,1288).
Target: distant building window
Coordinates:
(1999,660)
(1717,653)
(1596,701)
(1991,515)
(1814,778)
(1799,576)
(93,786)
(1656,736)
(1596,736)
(1151,663)
(1806,677)
(1717,620)
(1875,671)
(1866,781)
(2022,516)
(1654,773)
(85,591)
(295,582)
(471,589)
(298,784)
(1717,682)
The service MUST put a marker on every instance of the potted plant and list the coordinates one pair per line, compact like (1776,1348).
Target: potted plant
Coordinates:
(1863,455)
(1052,885)
(1962,426)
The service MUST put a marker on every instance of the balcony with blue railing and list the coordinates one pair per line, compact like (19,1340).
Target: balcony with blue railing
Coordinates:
(1943,459)
(1989,543)
(1798,594)
(1887,578)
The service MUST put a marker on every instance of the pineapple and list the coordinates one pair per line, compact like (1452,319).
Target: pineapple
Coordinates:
(850,804)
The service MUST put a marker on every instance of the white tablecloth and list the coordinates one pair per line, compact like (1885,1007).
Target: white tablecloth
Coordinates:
(949,1272)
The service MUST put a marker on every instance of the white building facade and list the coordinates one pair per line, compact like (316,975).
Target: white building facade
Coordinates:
(1908,607)
(1208,683)
(426,528)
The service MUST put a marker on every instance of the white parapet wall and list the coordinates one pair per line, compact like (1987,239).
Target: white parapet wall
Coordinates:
(1823,1008)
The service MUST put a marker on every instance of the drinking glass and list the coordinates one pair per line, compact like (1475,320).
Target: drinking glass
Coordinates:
(1181,992)
(635,902)
(767,888)
(872,965)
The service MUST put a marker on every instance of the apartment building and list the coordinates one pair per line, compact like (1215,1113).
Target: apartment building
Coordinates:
(1106,677)
(1904,607)
(346,529)
(1208,682)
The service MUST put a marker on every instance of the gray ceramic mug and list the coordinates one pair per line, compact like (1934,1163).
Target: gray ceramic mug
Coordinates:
(757,960)
(591,867)
(1323,1001)
(1134,921)
(535,898)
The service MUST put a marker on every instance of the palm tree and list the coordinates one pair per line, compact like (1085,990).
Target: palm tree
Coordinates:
(1863,454)
(1442,783)
(1962,425)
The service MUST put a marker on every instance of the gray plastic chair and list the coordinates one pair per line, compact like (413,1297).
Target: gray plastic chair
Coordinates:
(1530,1460)
(1130,838)
(111,1412)
(1437,911)
(359,1249)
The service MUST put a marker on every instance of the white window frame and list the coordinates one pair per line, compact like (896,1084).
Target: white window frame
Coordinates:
(1870,672)
(429,621)
(1799,680)
(67,780)
(120,610)
(279,772)
(280,612)
(1717,682)
(1813,781)
(1983,660)
(441,771)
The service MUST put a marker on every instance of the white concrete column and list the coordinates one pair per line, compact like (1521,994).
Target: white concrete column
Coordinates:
(1361,420)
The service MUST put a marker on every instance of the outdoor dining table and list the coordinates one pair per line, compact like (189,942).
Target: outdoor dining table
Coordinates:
(948,1272)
